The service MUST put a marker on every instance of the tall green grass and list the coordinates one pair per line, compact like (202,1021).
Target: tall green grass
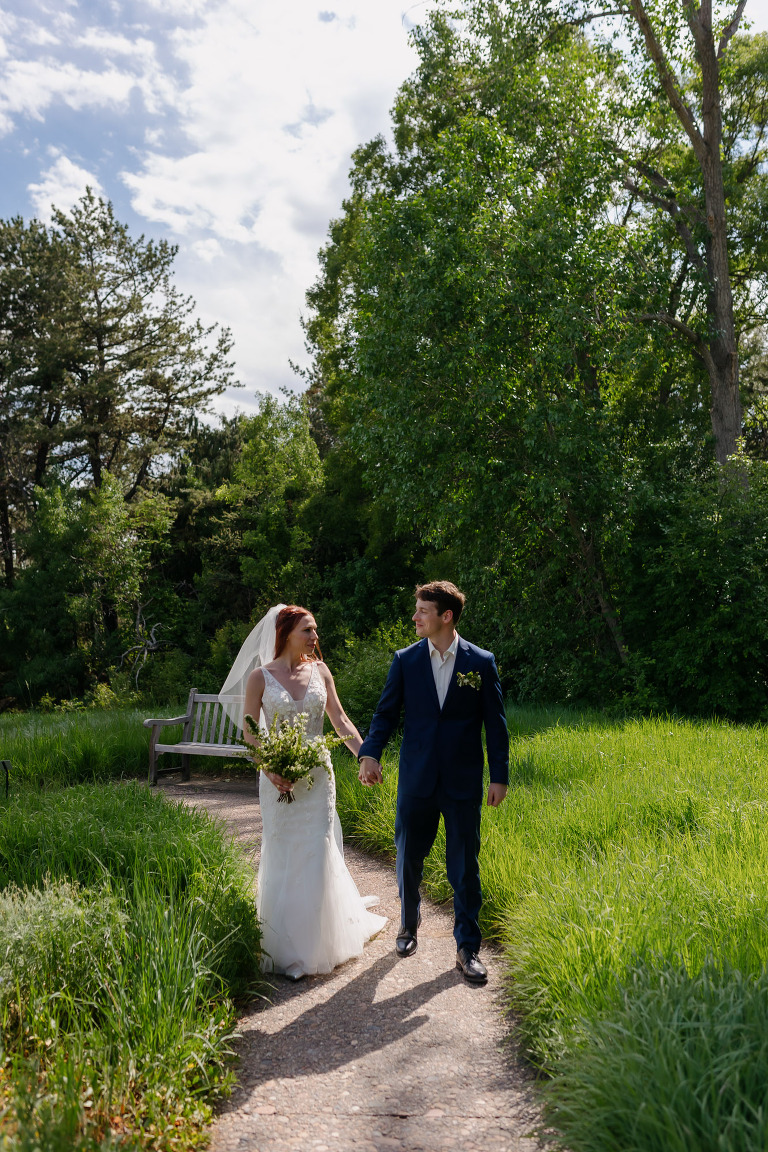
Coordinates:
(74,747)
(63,748)
(678,1064)
(127,924)
(620,843)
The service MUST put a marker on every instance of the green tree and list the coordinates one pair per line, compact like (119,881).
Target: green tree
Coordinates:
(34,352)
(73,607)
(477,344)
(143,362)
(101,359)
(685,109)
(704,149)
(237,545)
(277,470)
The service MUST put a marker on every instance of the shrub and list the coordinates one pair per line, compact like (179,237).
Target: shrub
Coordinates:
(362,670)
(169,676)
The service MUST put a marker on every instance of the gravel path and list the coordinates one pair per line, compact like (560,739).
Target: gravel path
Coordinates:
(382,1053)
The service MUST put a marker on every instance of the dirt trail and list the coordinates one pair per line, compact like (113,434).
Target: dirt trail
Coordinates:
(382,1053)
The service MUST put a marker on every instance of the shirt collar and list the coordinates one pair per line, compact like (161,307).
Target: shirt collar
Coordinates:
(450,650)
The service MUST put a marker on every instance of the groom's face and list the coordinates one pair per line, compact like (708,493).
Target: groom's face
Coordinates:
(428,620)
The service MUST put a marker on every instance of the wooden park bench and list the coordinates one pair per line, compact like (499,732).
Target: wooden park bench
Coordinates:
(208,731)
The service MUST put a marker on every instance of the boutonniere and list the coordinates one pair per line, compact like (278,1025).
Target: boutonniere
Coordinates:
(469,680)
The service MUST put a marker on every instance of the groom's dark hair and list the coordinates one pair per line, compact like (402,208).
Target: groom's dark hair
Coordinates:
(446,596)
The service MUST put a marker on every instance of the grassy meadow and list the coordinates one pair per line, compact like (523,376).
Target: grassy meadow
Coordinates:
(50,749)
(63,748)
(127,927)
(626,878)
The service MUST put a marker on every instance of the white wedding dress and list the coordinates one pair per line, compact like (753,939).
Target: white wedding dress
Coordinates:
(311,914)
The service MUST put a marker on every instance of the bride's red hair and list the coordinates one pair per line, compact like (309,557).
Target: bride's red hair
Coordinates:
(286,621)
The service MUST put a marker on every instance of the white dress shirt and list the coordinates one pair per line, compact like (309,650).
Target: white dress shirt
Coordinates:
(442,667)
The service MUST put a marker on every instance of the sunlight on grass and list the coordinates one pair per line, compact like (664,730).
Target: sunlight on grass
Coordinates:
(74,747)
(63,748)
(127,923)
(625,876)
(621,843)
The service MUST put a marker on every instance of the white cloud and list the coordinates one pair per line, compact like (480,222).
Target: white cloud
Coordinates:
(52,62)
(184,8)
(275,101)
(114,44)
(61,186)
(248,112)
(208,250)
(30,87)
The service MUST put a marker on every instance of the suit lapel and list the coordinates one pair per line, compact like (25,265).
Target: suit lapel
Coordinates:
(460,664)
(426,665)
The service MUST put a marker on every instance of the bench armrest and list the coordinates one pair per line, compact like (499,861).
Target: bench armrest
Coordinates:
(166,722)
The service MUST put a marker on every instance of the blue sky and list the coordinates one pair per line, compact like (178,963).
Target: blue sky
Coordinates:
(225,126)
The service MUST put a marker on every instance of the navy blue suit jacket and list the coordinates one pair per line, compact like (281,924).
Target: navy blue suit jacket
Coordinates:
(442,744)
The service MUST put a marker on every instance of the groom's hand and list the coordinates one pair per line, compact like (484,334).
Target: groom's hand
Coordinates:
(496,793)
(370,771)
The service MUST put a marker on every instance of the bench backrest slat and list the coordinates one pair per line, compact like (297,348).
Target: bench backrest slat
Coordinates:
(210,722)
(196,724)
(222,726)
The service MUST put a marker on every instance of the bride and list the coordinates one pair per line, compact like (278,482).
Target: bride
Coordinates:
(312,916)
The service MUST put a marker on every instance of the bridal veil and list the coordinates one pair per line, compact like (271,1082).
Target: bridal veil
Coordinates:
(258,649)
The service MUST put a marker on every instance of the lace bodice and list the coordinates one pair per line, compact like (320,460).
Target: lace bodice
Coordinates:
(277,701)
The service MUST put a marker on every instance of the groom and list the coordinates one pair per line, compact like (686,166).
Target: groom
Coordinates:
(449,690)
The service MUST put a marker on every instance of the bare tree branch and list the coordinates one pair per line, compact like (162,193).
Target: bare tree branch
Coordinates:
(731,29)
(677,288)
(670,206)
(672,322)
(588,17)
(668,80)
(661,182)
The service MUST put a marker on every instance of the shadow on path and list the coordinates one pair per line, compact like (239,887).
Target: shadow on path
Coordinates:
(349,1025)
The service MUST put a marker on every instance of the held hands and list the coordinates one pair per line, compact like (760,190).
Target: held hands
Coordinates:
(496,793)
(370,771)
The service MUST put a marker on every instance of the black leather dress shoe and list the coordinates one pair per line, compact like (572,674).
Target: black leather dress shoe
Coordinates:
(469,964)
(405,941)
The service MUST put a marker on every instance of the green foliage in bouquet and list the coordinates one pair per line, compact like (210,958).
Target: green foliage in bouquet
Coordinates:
(286,751)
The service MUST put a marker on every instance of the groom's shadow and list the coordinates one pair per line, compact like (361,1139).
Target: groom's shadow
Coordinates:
(341,1030)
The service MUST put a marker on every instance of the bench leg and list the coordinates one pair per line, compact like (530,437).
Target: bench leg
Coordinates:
(185,767)
(152,767)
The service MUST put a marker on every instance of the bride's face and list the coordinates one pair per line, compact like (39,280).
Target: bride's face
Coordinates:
(303,639)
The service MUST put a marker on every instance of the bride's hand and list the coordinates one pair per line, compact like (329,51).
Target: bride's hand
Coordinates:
(280,782)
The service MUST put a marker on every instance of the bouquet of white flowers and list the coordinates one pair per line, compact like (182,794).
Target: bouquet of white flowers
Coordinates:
(286,751)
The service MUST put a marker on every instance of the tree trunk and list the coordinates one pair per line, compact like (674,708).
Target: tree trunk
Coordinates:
(723,367)
(720,350)
(6,538)
(597,578)
(109,616)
